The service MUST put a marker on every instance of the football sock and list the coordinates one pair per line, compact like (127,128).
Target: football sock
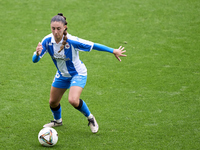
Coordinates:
(83,108)
(90,116)
(56,113)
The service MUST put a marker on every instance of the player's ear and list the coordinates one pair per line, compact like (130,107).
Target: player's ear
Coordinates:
(65,26)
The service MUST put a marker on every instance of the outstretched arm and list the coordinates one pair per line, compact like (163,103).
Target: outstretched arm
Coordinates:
(117,52)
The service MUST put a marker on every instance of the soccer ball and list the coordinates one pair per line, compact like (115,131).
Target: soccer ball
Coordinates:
(48,136)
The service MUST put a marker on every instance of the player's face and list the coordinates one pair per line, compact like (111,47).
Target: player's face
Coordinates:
(57,29)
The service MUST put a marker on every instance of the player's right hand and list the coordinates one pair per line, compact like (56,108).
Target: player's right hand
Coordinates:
(39,49)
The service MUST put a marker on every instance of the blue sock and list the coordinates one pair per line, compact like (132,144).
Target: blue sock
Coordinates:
(83,108)
(56,112)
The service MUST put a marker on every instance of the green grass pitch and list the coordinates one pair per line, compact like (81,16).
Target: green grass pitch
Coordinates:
(149,101)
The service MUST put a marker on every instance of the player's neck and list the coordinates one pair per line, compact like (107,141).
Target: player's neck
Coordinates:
(57,41)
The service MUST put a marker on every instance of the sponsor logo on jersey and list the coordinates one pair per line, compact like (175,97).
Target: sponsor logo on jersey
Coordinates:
(60,57)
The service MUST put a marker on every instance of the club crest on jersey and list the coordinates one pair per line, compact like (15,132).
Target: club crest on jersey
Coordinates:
(67,46)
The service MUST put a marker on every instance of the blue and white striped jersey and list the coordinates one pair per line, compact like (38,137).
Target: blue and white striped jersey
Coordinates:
(67,61)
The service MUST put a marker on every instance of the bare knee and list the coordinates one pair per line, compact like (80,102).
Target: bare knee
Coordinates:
(73,101)
(53,103)
(74,95)
(55,96)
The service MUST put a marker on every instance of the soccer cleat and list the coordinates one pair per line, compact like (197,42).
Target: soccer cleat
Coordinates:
(93,125)
(53,124)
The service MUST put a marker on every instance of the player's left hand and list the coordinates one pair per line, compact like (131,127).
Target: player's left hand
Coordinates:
(119,52)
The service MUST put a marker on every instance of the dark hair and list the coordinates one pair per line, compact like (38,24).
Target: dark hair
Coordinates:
(61,18)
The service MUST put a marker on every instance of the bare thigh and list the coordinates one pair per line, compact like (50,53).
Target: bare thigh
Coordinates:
(74,95)
(55,96)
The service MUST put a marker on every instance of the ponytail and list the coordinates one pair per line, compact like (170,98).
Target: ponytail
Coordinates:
(64,40)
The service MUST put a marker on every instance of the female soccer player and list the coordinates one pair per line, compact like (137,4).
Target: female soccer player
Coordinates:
(71,72)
